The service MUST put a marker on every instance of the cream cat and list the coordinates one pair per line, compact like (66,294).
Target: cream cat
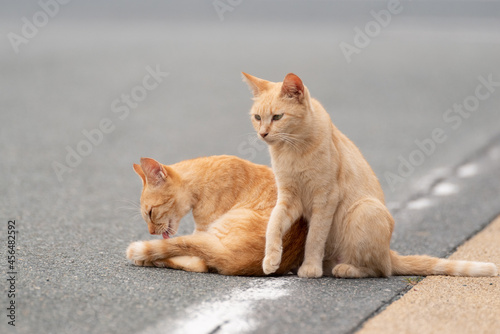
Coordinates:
(323,177)
(231,200)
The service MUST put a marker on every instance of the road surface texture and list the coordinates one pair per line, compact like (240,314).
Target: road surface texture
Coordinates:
(88,88)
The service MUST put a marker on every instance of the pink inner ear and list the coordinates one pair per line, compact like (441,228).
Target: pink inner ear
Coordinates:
(153,171)
(292,85)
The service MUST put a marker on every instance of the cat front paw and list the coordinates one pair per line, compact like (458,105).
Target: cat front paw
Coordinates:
(344,270)
(271,262)
(135,252)
(143,263)
(310,271)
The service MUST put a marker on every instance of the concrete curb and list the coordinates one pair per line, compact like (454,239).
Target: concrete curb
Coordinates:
(442,304)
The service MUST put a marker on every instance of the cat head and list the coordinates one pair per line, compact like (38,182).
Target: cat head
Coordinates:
(280,109)
(163,202)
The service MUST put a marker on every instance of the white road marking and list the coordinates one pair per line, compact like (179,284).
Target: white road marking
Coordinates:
(232,314)
(420,203)
(445,189)
(468,170)
(425,182)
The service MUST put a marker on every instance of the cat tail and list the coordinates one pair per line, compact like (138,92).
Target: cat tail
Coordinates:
(424,265)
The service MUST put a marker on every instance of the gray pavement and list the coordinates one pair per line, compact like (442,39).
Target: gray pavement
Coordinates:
(94,66)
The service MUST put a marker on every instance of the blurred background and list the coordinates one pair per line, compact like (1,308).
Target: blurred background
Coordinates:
(63,69)
(87,88)
(386,80)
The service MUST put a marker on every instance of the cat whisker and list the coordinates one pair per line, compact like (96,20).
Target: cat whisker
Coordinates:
(168,229)
(131,209)
(127,208)
(296,138)
(290,135)
(248,134)
(138,215)
(129,204)
(127,200)
(290,139)
(134,216)
(128,211)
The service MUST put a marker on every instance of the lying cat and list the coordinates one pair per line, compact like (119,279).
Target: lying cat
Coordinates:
(231,200)
(323,177)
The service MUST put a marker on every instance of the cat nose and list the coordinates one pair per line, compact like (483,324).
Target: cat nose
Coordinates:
(263,134)
(151,229)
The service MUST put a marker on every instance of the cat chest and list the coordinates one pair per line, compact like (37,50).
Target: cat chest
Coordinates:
(311,193)
(306,181)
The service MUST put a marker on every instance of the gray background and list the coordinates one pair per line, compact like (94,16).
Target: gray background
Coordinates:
(73,275)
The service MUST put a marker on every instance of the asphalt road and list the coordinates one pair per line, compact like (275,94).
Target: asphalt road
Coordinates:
(163,81)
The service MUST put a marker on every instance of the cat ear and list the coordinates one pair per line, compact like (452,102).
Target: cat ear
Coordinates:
(292,87)
(139,172)
(154,172)
(256,85)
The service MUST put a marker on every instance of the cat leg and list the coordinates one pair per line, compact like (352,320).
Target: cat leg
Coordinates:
(363,239)
(319,229)
(203,246)
(283,215)
(186,263)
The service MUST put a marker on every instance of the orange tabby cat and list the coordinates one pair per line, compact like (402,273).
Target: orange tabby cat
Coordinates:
(231,200)
(323,177)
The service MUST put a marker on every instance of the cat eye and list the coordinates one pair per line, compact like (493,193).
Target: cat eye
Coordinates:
(277,117)
(257,117)
(149,213)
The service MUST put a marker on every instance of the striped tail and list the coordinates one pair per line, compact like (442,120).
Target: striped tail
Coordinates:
(423,265)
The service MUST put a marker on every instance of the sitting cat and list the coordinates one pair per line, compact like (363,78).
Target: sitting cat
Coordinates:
(323,177)
(231,200)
